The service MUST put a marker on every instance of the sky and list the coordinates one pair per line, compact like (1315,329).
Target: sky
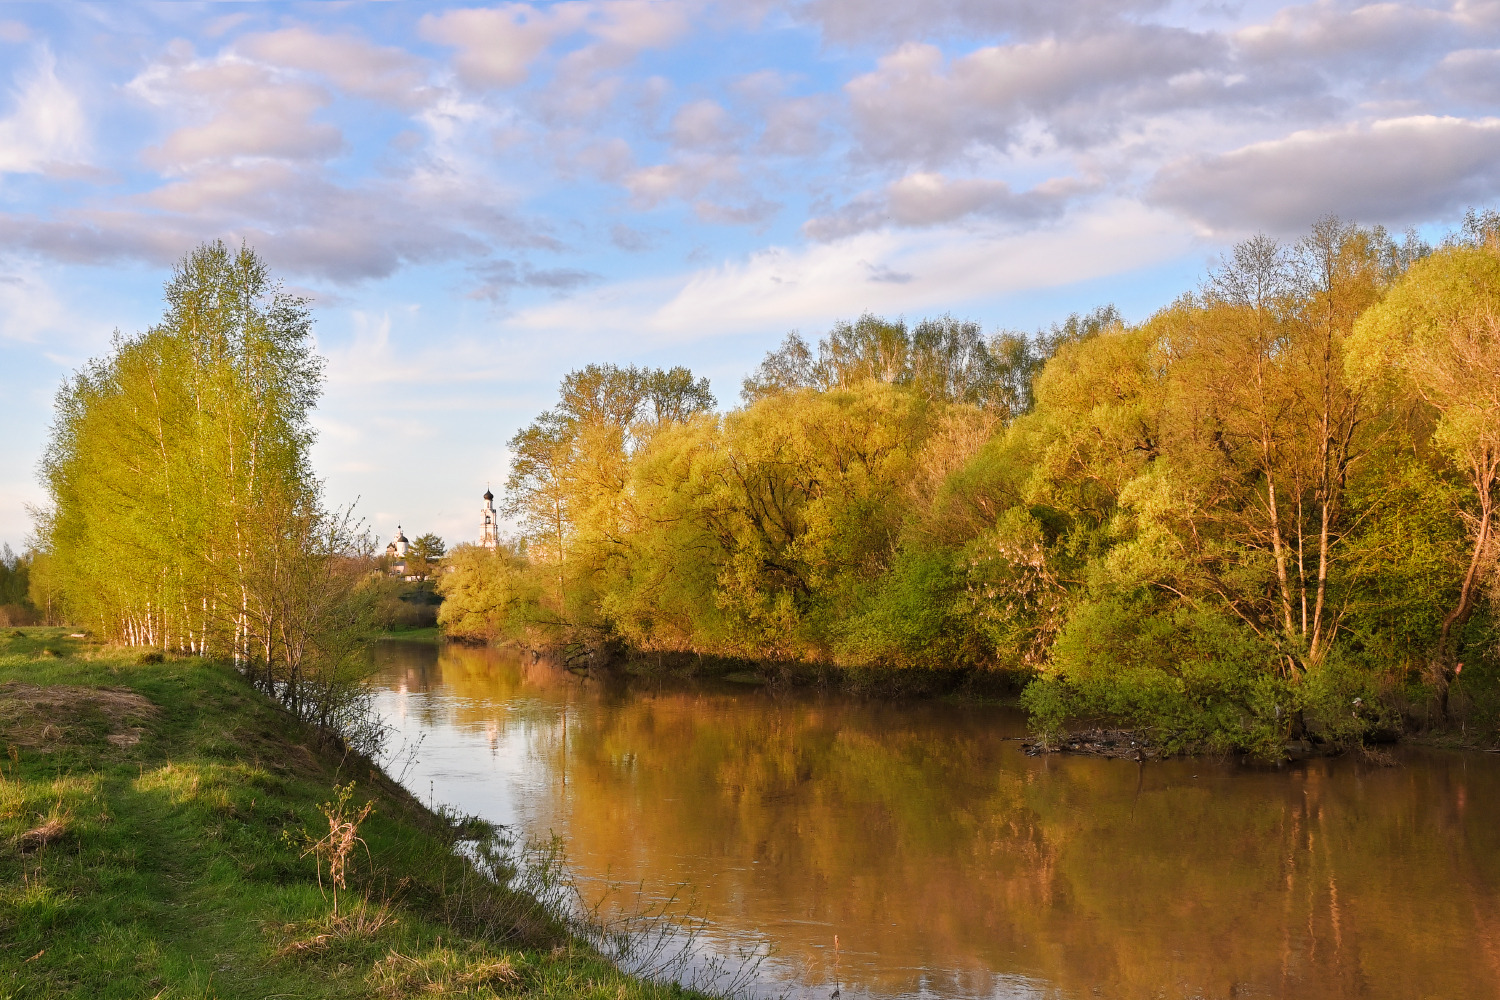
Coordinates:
(478,199)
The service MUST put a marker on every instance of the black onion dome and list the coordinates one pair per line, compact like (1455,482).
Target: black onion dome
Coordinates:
(487,494)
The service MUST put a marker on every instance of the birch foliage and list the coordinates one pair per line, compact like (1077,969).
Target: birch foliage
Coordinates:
(183,510)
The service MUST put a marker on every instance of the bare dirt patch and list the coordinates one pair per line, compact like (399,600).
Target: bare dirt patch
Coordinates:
(42,717)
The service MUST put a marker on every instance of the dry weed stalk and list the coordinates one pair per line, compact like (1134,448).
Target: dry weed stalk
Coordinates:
(343,833)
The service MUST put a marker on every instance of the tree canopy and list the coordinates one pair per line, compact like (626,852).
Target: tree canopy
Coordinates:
(1264,512)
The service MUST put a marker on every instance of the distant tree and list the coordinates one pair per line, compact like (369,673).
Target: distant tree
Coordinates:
(943,359)
(14,575)
(15,586)
(791,366)
(429,547)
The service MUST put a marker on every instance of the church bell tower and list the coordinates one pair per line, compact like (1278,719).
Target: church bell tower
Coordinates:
(488,533)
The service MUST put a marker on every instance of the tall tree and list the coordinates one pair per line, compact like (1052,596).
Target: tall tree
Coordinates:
(1437,336)
(183,510)
(570,465)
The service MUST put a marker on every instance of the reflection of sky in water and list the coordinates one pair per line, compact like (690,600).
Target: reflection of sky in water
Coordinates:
(949,864)
(479,769)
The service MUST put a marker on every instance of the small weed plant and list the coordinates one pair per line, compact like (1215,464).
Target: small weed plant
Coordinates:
(334,848)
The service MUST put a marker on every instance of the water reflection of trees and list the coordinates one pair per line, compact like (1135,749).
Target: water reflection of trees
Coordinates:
(943,857)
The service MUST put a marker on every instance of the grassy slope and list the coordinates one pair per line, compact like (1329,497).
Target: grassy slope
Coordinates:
(175,864)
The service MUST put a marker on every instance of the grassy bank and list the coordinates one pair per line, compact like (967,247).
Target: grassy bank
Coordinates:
(155,820)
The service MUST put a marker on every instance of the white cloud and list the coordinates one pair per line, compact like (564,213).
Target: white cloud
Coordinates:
(1471,75)
(498,278)
(714,185)
(634,25)
(351,63)
(796,126)
(684,178)
(928,199)
(857,21)
(247,158)
(47,127)
(918,106)
(497,45)
(891,271)
(501,47)
(367,359)
(1324,31)
(608,159)
(29,307)
(1395,171)
(249,112)
(301,219)
(703,124)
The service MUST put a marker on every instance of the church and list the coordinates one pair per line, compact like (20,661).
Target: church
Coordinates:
(489,531)
(489,536)
(398,546)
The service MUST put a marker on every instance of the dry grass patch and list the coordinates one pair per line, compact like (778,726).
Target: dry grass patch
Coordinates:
(51,830)
(442,972)
(313,937)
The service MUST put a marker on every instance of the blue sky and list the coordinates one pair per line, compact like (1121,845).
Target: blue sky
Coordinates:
(481,198)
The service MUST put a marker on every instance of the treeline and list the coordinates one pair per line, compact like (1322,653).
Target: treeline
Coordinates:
(183,514)
(1266,512)
(15,589)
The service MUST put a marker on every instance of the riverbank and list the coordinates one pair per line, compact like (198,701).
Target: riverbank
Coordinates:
(155,826)
(1472,724)
(431,633)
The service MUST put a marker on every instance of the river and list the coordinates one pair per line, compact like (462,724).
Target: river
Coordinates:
(950,864)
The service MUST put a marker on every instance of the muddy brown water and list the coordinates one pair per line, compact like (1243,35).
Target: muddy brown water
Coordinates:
(950,864)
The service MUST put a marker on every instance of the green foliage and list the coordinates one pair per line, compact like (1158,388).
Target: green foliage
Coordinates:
(15,588)
(396,605)
(941,359)
(916,617)
(428,547)
(183,514)
(491,594)
(14,577)
(1192,675)
(1265,514)
(1434,339)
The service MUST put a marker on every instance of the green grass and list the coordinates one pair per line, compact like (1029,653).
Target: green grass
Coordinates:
(153,819)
